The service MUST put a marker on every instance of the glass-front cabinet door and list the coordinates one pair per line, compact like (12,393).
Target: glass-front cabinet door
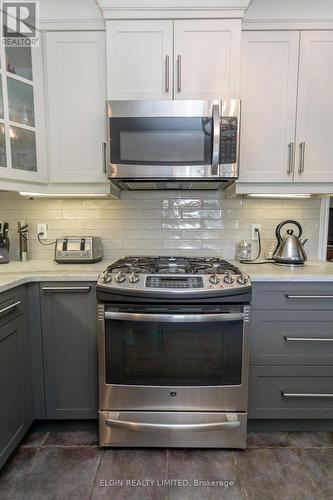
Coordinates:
(22,125)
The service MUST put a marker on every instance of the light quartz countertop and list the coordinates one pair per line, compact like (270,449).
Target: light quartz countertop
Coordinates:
(18,273)
(310,271)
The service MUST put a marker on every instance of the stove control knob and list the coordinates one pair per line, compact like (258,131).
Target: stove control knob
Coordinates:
(214,279)
(242,279)
(120,277)
(134,277)
(106,278)
(228,279)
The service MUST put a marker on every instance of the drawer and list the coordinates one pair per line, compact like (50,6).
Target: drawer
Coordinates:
(292,296)
(11,304)
(291,392)
(292,338)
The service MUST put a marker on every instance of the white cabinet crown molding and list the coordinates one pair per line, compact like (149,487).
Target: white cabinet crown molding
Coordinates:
(290,24)
(172,9)
(72,25)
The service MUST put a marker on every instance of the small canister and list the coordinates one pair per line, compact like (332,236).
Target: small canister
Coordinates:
(243,250)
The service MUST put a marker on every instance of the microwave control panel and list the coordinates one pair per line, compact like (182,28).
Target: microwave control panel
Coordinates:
(229,139)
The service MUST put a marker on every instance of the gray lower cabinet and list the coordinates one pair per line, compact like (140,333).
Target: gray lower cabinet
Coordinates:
(291,392)
(291,357)
(69,332)
(16,413)
(292,337)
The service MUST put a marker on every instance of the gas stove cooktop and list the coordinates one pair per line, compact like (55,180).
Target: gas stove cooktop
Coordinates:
(173,274)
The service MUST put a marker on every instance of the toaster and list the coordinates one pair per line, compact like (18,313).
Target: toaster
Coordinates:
(78,249)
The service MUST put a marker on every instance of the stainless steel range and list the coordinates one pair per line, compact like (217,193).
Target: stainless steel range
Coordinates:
(173,352)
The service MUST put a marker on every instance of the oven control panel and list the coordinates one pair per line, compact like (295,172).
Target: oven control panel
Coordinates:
(156,281)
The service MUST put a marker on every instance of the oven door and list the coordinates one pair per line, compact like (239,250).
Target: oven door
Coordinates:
(164,139)
(174,361)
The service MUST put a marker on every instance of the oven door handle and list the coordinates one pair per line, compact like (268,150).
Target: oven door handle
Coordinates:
(173,318)
(231,422)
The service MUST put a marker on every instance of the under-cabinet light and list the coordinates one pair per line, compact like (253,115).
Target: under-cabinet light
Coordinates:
(274,195)
(63,195)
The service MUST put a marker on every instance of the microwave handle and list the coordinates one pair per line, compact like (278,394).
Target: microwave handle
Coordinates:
(216,139)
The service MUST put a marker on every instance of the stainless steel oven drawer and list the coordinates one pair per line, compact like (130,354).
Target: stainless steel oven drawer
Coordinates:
(173,429)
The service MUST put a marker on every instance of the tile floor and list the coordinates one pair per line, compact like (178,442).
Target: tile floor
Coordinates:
(69,466)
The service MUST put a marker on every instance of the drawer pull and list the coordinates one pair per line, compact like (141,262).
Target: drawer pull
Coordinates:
(55,289)
(231,422)
(305,297)
(304,395)
(307,339)
(10,308)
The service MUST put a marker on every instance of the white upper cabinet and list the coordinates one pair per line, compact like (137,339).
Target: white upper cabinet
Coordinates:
(76,95)
(314,159)
(268,93)
(22,127)
(206,58)
(287,102)
(139,59)
(182,59)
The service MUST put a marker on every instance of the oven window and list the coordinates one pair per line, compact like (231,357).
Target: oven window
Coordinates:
(161,141)
(173,354)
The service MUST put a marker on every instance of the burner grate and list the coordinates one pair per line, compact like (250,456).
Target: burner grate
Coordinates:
(173,265)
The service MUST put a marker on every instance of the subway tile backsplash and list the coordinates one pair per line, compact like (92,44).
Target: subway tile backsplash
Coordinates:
(161,222)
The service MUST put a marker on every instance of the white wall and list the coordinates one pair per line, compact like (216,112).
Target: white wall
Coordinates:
(290,10)
(53,10)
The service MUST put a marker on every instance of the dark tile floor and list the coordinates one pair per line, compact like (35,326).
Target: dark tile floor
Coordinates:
(69,466)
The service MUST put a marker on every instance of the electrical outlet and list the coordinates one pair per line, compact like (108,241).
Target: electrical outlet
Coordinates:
(42,230)
(254,233)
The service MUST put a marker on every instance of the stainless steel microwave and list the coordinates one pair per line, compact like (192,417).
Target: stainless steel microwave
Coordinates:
(173,144)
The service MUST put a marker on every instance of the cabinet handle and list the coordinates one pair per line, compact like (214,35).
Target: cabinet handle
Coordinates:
(167,73)
(302,157)
(104,156)
(305,395)
(179,73)
(10,308)
(307,339)
(290,158)
(55,289)
(305,297)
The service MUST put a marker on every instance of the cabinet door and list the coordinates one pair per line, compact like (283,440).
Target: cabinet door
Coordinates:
(314,109)
(268,93)
(139,59)
(23,152)
(206,59)
(75,74)
(70,349)
(15,411)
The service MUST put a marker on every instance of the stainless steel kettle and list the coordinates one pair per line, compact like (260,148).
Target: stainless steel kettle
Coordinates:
(290,248)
